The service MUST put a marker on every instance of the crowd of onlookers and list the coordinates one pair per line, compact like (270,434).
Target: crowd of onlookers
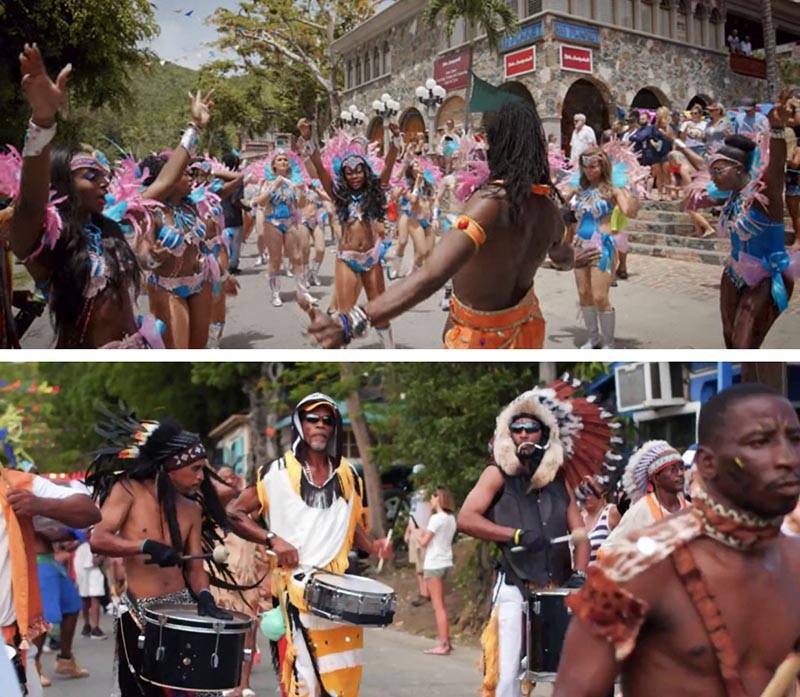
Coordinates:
(736,44)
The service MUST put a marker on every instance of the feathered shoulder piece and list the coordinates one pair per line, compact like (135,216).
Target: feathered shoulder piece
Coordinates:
(582,434)
(124,201)
(341,147)
(10,175)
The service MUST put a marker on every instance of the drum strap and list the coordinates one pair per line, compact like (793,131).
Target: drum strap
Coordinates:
(703,601)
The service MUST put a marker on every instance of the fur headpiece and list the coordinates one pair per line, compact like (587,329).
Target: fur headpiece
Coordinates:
(581,434)
(647,461)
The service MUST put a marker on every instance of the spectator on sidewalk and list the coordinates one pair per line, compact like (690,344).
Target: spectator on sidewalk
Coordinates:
(92,589)
(418,516)
(437,540)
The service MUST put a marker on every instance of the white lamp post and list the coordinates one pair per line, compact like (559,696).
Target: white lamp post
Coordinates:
(386,109)
(431,95)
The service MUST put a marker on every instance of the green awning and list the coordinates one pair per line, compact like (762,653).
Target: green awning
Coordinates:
(487,98)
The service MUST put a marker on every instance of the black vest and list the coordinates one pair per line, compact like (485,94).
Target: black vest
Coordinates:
(544,511)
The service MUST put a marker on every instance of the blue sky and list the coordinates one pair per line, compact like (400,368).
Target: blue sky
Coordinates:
(183,40)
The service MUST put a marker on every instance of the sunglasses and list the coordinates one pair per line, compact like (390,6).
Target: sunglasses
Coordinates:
(720,169)
(315,419)
(525,428)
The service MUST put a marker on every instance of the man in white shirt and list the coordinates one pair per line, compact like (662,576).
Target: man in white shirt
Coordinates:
(583,138)
(23,496)
(746,47)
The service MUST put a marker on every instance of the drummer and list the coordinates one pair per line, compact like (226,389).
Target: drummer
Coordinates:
(311,499)
(705,601)
(520,494)
(154,497)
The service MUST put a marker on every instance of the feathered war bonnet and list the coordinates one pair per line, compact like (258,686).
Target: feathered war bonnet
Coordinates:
(645,463)
(581,434)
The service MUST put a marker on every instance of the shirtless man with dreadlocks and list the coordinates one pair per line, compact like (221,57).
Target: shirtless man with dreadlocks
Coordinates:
(508,227)
(153,513)
(359,197)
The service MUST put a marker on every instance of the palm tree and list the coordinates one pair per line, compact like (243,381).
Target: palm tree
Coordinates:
(491,17)
(770,51)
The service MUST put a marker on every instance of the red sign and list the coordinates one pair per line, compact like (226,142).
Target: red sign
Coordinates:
(520,62)
(452,71)
(581,60)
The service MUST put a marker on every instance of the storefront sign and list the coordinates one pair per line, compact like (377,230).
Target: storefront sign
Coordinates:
(581,60)
(520,62)
(576,32)
(525,36)
(452,71)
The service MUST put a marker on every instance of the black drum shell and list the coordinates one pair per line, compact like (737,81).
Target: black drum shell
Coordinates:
(189,645)
(548,621)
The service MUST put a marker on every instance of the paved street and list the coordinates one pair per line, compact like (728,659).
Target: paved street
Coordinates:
(665,304)
(394,667)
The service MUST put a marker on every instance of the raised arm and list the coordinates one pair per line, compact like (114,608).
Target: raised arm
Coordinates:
(45,98)
(629,205)
(76,511)
(775,173)
(306,133)
(186,150)
(391,156)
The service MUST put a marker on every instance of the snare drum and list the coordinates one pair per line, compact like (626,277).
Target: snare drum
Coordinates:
(351,599)
(546,626)
(184,651)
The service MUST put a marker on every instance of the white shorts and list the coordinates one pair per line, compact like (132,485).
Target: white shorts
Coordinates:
(91,583)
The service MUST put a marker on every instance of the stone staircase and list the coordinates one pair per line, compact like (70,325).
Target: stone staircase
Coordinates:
(663,230)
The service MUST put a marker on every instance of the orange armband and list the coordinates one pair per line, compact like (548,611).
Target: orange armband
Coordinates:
(471,229)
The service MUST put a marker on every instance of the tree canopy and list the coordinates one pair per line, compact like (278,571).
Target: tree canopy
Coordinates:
(101,39)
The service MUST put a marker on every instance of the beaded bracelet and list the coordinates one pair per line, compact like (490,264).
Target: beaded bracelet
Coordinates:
(37,138)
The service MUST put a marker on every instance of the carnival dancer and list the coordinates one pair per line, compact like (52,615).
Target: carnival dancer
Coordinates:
(282,201)
(178,249)
(355,182)
(600,187)
(77,255)
(24,496)
(158,503)
(420,179)
(758,278)
(510,224)
(311,499)
(544,442)
(704,602)
(654,482)
(315,219)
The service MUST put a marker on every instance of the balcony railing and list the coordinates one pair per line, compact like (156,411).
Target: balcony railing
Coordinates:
(747,65)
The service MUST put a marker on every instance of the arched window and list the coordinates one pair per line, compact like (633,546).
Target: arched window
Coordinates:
(358,71)
(367,68)
(376,62)
(387,59)
(350,84)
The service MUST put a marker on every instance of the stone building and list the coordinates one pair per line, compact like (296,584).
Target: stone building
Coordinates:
(569,56)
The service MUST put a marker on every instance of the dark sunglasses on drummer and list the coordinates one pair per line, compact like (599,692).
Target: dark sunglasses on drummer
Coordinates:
(525,428)
(314,419)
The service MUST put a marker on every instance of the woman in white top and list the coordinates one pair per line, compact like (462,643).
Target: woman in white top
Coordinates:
(437,541)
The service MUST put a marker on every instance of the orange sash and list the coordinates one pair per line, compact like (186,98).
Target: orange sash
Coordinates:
(519,327)
(24,576)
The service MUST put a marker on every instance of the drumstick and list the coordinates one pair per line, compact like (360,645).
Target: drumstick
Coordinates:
(784,677)
(219,555)
(385,546)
